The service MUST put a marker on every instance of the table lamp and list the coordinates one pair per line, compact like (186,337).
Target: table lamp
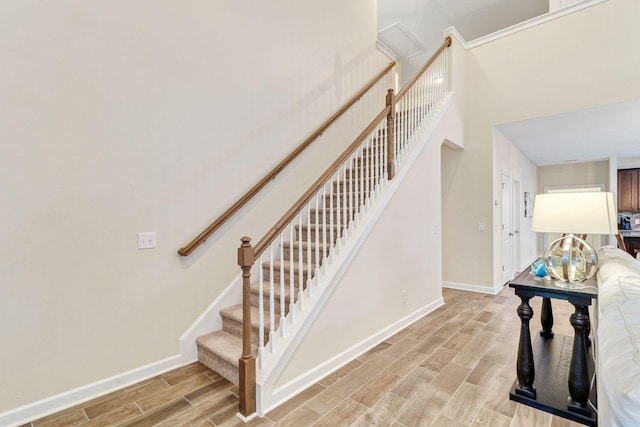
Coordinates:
(570,259)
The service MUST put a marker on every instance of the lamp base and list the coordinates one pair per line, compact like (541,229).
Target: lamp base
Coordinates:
(571,260)
(568,285)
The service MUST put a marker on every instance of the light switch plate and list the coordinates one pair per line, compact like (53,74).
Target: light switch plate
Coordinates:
(147,240)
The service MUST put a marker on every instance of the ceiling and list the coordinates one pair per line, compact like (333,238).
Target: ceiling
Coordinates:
(424,20)
(579,136)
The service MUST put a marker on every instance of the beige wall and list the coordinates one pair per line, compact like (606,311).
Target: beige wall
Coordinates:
(578,174)
(512,163)
(628,162)
(582,60)
(121,117)
(574,175)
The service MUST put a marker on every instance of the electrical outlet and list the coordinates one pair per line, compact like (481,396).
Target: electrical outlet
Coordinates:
(481,226)
(147,240)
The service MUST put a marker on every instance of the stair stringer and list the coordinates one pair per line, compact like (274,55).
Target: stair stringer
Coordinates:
(272,361)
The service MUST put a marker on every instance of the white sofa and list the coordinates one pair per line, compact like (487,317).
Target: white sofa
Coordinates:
(617,325)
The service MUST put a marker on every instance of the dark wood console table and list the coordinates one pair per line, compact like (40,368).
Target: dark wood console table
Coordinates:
(559,386)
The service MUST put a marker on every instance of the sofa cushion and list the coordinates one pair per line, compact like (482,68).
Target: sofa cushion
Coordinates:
(619,359)
(618,278)
(618,337)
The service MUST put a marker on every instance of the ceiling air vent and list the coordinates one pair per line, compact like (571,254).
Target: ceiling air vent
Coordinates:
(399,41)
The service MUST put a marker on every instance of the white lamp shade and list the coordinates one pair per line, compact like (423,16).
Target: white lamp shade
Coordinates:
(578,213)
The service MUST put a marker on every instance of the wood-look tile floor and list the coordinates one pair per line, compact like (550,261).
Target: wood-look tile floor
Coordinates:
(453,367)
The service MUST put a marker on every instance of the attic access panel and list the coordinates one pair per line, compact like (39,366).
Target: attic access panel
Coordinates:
(399,41)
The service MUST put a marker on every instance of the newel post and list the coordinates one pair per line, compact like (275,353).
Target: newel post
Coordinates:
(247,363)
(391,119)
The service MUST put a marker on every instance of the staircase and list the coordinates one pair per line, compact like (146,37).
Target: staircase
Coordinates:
(221,350)
(288,275)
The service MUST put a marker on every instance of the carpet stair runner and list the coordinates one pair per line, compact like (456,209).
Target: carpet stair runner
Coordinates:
(220,350)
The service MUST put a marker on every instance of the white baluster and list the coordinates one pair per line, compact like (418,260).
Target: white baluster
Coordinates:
(338,199)
(400,141)
(367,161)
(324,226)
(282,302)
(425,106)
(334,182)
(317,263)
(292,257)
(442,87)
(403,116)
(352,182)
(412,112)
(431,90)
(272,320)
(407,129)
(447,58)
(260,307)
(380,159)
(421,95)
(356,190)
(363,172)
(384,156)
(441,64)
(309,250)
(300,258)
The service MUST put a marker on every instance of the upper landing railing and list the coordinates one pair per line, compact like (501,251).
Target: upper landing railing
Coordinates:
(207,232)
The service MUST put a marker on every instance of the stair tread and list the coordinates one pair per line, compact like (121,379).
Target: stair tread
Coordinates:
(286,266)
(255,288)
(303,226)
(234,312)
(350,191)
(305,244)
(224,344)
(335,208)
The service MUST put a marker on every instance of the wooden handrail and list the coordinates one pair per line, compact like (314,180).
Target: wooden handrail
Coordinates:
(271,235)
(416,76)
(202,237)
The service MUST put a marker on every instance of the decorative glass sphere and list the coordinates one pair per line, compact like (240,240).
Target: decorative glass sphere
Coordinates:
(571,259)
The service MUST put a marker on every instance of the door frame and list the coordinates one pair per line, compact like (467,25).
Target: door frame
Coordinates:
(506,213)
(517,210)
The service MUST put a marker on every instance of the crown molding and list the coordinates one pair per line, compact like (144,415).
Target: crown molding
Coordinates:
(538,20)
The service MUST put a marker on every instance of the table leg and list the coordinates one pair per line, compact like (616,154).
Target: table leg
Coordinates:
(525,367)
(546,318)
(578,370)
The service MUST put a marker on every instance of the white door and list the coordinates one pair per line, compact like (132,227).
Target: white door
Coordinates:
(516,219)
(507,230)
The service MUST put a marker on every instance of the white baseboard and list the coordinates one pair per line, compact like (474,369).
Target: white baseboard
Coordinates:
(473,288)
(59,402)
(284,393)
(208,321)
